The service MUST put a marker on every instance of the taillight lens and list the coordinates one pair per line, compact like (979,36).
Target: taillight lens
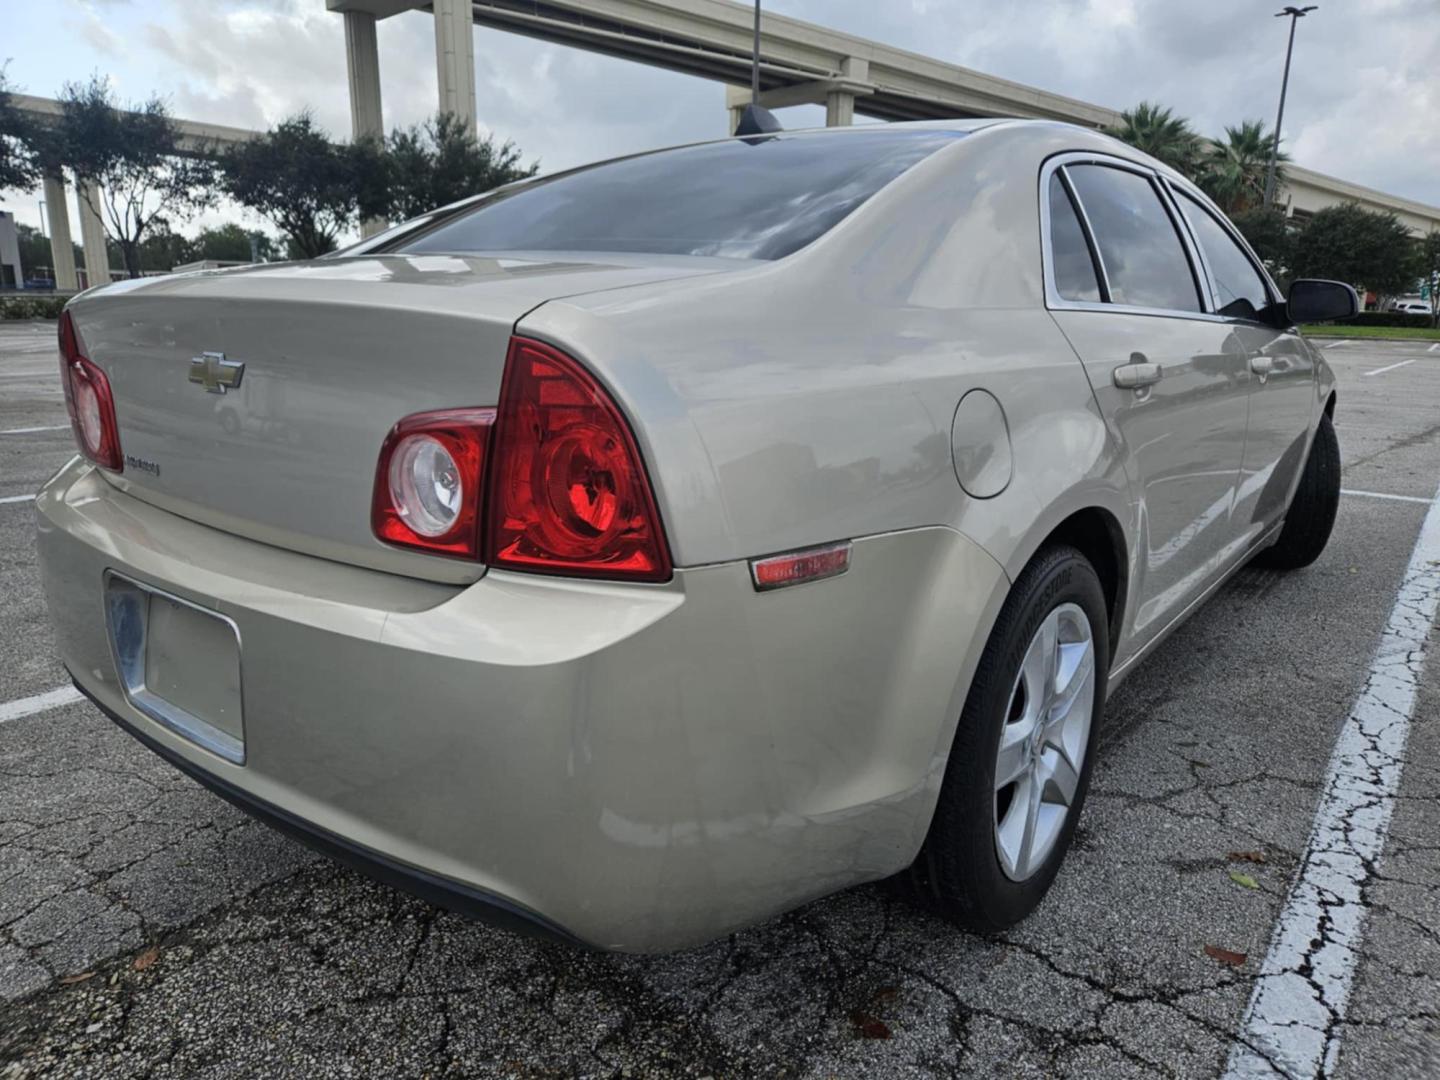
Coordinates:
(429,481)
(564,489)
(568,493)
(88,401)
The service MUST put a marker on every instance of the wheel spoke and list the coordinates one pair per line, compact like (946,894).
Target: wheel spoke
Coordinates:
(1038,668)
(1012,829)
(1060,778)
(1033,793)
(1013,758)
(1076,665)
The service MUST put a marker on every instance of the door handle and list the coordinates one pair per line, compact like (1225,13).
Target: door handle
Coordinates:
(1134,376)
(1262,365)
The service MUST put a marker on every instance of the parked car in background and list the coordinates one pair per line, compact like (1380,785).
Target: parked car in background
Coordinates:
(1411,306)
(635,553)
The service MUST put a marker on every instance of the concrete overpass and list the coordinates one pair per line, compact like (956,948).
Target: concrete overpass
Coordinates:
(194,137)
(801,63)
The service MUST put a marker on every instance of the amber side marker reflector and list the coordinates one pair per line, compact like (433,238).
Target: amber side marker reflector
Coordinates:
(798,567)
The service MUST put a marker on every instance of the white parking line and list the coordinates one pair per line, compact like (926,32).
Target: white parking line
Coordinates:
(51,699)
(1433,347)
(1386,495)
(1391,367)
(32,430)
(16,499)
(1336,344)
(1294,1015)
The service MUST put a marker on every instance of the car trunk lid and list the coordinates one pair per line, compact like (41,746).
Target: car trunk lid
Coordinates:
(284,448)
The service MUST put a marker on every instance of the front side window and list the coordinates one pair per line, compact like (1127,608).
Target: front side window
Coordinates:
(1145,260)
(757,198)
(1074,268)
(1241,290)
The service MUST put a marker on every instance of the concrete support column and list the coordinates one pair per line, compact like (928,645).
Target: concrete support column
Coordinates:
(62,254)
(92,235)
(362,65)
(455,58)
(840,102)
(839,108)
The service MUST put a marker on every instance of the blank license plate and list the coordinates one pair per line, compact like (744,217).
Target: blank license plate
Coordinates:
(179,664)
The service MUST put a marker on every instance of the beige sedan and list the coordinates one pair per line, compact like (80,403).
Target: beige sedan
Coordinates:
(637,552)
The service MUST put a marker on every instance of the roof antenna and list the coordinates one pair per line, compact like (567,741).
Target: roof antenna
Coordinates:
(755,120)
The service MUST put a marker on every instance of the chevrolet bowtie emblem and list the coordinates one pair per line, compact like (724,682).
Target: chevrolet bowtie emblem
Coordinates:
(212,371)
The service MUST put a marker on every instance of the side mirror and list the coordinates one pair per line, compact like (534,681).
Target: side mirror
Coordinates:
(1313,300)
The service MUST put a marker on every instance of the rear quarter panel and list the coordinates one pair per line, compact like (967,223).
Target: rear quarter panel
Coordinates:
(811,399)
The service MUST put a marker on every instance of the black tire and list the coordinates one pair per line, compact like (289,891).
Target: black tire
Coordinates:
(1312,512)
(958,872)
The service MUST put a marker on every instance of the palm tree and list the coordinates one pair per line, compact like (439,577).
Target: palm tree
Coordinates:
(1157,131)
(1234,169)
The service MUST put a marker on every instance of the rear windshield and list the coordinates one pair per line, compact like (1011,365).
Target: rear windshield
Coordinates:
(756,198)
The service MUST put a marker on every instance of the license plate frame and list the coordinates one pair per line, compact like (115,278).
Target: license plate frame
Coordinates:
(179,664)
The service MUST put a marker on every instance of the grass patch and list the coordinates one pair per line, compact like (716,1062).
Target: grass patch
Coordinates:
(1389,333)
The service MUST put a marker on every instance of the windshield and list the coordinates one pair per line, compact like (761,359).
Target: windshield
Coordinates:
(755,198)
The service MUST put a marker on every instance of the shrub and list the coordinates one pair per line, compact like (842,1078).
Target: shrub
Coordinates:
(1388,318)
(31,307)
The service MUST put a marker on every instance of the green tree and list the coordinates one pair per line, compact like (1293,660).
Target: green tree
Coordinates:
(373,173)
(1155,130)
(1233,170)
(164,250)
(1270,234)
(35,251)
(441,162)
(298,180)
(18,167)
(232,243)
(141,177)
(1429,272)
(1369,249)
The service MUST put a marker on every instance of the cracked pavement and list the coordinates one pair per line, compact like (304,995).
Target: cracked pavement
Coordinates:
(149,929)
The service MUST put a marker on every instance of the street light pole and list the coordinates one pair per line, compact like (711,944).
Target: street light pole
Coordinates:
(1295,14)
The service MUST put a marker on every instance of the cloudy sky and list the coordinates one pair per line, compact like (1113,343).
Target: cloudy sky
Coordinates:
(1364,96)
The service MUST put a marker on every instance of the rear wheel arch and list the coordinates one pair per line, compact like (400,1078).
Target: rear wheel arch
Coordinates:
(1097,535)
(1096,532)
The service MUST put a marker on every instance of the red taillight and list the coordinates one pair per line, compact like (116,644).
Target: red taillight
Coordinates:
(567,491)
(564,489)
(430,479)
(88,401)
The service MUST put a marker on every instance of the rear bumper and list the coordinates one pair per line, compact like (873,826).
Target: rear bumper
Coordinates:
(443,892)
(631,767)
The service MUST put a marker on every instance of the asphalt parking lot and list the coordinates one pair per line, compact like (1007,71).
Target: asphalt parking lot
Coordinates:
(149,929)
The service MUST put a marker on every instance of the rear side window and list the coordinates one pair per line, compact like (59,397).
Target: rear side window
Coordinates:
(1145,260)
(1240,288)
(756,198)
(1074,267)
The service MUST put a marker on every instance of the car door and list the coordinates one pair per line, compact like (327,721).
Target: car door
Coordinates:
(1170,377)
(1282,390)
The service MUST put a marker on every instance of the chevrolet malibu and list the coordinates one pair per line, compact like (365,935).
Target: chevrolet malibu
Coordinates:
(635,553)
